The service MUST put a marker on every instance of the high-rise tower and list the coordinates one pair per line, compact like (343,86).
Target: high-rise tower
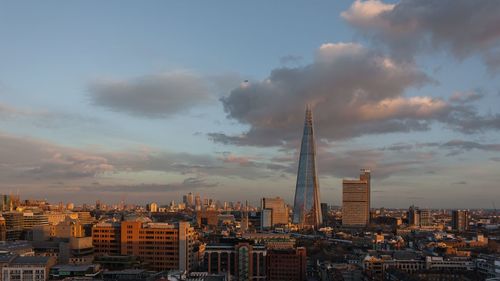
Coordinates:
(306,208)
(356,200)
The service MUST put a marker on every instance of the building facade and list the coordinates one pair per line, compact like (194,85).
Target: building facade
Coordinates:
(286,264)
(419,217)
(278,209)
(460,220)
(106,238)
(28,269)
(162,246)
(306,208)
(240,260)
(356,200)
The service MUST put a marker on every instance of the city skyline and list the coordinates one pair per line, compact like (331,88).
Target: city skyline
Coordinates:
(150,101)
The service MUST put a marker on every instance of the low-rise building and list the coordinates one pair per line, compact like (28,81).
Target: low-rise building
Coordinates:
(240,259)
(28,269)
(59,272)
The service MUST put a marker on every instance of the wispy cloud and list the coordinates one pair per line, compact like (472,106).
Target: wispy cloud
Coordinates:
(191,184)
(32,161)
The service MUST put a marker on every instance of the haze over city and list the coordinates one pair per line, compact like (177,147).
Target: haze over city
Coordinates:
(147,101)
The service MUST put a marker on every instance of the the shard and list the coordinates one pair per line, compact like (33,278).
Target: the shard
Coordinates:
(306,208)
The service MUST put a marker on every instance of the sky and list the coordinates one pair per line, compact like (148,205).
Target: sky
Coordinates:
(146,101)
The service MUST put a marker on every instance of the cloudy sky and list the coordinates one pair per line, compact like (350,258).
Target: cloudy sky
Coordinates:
(146,101)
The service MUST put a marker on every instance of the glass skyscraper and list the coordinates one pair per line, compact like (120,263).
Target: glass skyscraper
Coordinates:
(306,208)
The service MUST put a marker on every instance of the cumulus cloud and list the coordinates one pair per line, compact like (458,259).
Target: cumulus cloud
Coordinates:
(367,13)
(156,96)
(464,27)
(353,90)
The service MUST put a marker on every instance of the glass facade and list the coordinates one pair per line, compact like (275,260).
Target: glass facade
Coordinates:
(306,209)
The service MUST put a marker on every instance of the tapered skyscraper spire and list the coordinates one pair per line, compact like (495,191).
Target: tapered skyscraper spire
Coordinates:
(306,208)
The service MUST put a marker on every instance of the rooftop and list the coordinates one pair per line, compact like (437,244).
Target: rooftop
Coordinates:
(31,260)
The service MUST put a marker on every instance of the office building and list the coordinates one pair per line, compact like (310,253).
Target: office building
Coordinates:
(324,213)
(188,200)
(266,221)
(425,218)
(6,203)
(106,238)
(14,225)
(460,220)
(31,219)
(163,246)
(306,208)
(278,208)
(356,200)
(197,202)
(418,217)
(286,264)
(413,216)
